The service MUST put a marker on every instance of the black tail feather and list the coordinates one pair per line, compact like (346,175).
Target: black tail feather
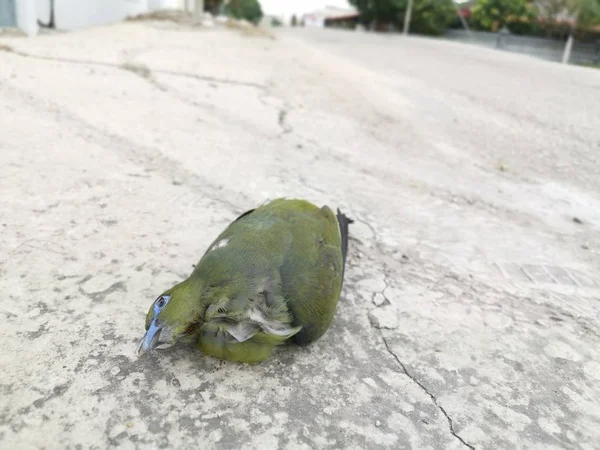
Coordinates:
(343,222)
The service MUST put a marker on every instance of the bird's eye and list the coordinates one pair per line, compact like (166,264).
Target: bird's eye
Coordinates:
(161,302)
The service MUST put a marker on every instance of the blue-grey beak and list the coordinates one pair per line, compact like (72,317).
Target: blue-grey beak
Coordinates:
(151,339)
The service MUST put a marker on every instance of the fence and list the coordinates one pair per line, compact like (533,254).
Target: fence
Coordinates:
(548,49)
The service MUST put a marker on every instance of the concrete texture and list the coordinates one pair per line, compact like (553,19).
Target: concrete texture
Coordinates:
(470,314)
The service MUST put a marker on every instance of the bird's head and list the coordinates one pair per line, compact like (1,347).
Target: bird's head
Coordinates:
(173,316)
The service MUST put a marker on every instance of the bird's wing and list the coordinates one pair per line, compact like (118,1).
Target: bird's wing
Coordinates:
(243,317)
(312,272)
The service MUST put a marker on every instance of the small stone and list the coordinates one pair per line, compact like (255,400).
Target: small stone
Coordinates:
(379,299)
(454,290)
(377,423)
(384,317)
(371,382)
(372,284)
(216,435)
(549,426)
(176,383)
(585,246)
(577,220)
(115,370)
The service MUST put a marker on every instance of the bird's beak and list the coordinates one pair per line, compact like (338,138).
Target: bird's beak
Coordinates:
(151,338)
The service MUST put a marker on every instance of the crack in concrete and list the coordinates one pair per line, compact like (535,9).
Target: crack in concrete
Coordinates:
(431,396)
(149,157)
(357,218)
(88,62)
(144,72)
(148,75)
(386,301)
(282,120)
(400,363)
(211,79)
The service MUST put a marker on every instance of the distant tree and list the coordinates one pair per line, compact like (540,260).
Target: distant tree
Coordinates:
(550,10)
(294,21)
(492,15)
(428,16)
(587,11)
(522,16)
(213,6)
(375,12)
(249,10)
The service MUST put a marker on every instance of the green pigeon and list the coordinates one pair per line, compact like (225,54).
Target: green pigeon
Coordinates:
(275,274)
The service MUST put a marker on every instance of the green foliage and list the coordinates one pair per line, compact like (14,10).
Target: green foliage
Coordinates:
(552,29)
(492,15)
(589,12)
(543,19)
(377,10)
(549,10)
(430,17)
(249,10)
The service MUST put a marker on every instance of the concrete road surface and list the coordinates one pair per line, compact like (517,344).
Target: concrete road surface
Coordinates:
(470,316)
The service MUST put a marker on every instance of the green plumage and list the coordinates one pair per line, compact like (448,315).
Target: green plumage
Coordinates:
(273,274)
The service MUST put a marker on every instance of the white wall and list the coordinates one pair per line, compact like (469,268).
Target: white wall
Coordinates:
(181,4)
(75,14)
(27,16)
(167,4)
(288,8)
(43,10)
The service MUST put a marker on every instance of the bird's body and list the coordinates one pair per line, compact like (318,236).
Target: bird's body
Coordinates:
(273,274)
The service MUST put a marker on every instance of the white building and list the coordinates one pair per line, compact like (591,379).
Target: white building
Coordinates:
(318,17)
(76,14)
(19,13)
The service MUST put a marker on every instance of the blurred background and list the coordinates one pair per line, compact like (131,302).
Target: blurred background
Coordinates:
(556,30)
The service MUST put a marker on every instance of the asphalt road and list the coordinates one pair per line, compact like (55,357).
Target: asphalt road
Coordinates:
(471,310)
